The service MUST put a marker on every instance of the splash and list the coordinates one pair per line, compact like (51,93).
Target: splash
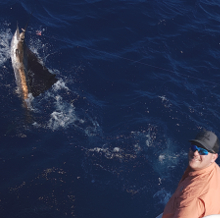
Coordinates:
(168,159)
(162,196)
(63,116)
(5,37)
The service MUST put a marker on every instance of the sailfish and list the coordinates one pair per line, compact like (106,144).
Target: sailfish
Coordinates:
(30,75)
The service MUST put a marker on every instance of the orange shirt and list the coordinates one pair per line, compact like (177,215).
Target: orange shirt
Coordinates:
(197,194)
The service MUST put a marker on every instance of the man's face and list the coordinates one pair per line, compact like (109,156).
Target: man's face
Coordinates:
(199,162)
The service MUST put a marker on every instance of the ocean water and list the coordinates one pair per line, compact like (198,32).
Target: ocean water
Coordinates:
(136,80)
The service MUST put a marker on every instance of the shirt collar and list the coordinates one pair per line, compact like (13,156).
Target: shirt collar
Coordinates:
(203,171)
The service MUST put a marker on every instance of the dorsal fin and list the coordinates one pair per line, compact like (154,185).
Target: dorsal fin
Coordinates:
(27,22)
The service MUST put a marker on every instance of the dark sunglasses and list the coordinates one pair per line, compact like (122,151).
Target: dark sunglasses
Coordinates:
(202,151)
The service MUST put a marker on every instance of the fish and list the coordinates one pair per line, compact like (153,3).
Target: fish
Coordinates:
(30,75)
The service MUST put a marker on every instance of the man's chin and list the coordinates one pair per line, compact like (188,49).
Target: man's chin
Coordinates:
(193,163)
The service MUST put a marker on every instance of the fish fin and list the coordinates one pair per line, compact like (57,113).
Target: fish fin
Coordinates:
(39,77)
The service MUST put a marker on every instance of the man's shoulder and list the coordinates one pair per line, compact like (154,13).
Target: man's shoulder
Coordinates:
(217,166)
(211,183)
(217,170)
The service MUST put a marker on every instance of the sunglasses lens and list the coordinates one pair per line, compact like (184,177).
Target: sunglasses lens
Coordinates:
(194,148)
(201,151)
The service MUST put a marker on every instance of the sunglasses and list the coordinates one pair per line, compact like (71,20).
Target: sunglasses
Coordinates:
(202,151)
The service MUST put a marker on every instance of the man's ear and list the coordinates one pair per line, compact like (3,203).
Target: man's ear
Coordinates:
(214,157)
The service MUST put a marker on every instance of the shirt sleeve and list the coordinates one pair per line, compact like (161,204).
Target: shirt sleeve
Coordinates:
(193,208)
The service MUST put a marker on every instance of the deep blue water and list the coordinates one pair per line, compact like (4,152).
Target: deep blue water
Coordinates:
(137,80)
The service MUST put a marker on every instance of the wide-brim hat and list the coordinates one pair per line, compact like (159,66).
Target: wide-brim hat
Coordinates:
(207,140)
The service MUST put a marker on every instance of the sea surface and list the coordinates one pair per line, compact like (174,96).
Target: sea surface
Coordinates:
(136,80)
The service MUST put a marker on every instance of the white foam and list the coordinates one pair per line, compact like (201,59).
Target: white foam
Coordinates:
(163,196)
(61,119)
(165,101)
(5,44)
(63,116)
(60,84)
(109,153)
(167,159)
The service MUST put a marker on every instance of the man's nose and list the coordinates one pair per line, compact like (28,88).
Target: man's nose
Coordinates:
(196,152)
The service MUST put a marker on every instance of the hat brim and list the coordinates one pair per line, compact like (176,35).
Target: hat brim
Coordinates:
(201,144)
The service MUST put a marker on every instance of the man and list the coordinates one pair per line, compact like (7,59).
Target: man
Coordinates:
(198,192)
